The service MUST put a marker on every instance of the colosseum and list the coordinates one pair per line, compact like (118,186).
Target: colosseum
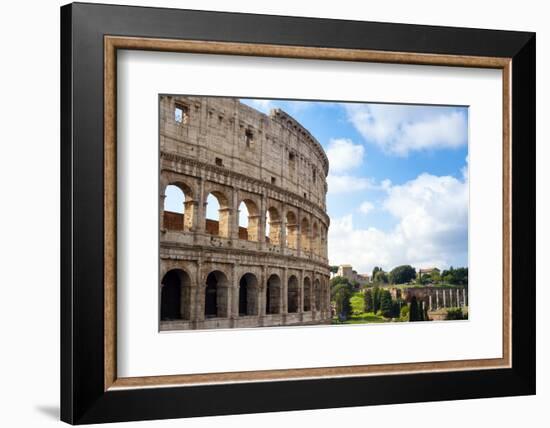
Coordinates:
(213,272)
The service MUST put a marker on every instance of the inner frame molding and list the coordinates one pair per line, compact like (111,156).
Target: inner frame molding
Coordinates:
(113,43)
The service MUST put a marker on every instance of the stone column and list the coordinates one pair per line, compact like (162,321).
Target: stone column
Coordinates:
(161,211)
(233,217)
(458,297)
(299,233)
(233,294)
(282,234)
(301,294)
(262,221)
(431,303)
(444,299)
(464,297)
(200,222)
(437,299)
(262,298)
(190,219)
(284,292)
(199,294)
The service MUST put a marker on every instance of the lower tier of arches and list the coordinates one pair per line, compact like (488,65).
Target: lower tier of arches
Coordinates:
(195,295)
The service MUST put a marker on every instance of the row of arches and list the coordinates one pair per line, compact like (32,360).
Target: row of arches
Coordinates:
(179,298)
(180,211)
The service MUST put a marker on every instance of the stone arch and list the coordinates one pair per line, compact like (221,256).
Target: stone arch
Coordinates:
(293,294)
(248,295)
(216,296)
(175,300)
(291,230)
(305,235)
(307,294)
(317,294)
(252,230)
(273,295)
(221,226)
(178,217)
(273,226)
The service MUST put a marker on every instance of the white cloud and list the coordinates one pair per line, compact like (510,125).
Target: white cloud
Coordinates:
(366,207)
(348,183)
(343,155)
(262,105)
(432,228)
(400,129)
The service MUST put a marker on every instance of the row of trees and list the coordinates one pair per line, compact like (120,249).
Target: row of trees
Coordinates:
(398,275)
(406,273)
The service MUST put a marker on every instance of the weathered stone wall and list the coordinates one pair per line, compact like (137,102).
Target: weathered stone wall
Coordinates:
(271,163)
(433,297)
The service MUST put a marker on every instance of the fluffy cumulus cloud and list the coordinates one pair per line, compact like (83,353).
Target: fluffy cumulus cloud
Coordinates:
(431,229)
(366,207)
(400,129)
(343,155)
(348,183)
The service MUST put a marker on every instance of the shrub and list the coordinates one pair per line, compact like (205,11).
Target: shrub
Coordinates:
(455,314)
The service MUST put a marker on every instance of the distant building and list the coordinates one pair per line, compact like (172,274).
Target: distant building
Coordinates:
(347,271)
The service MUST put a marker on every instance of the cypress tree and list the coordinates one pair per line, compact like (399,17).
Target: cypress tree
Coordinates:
(375,299)
(386,304)
(369,304)
(343,304)
(413,310)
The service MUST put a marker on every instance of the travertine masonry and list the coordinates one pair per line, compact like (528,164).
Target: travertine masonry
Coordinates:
(215,274)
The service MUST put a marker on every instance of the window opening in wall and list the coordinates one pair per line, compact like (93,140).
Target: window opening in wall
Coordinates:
(273,180)
(174,208)
(181,114)
(248,138)
(219,162)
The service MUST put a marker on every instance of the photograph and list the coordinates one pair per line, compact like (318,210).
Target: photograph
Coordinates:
(281,212)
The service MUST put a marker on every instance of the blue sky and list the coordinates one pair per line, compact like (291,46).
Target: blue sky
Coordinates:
(398,185)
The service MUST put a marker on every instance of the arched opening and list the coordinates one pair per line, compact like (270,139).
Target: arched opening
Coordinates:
(315,239)
(293,294)
(175,299)
(178,208)
(291,230)
(248,295)
(317,294)
(273,295)
(216,296)
(217,215)
(273,226)
(307,294)
(249,220)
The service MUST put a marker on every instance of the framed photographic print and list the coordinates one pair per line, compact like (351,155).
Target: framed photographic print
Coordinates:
(266,213)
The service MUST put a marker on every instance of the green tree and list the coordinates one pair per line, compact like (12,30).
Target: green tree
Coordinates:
(402,274)
(413,310)
(381,277)
(343,304)
(457,276)
(369,303)
(436,275)
(386,304)
(404,313)
(334,269)
(374,271)
(375,299)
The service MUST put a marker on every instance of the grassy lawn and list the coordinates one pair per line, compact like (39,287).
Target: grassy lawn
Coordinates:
(360,317)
